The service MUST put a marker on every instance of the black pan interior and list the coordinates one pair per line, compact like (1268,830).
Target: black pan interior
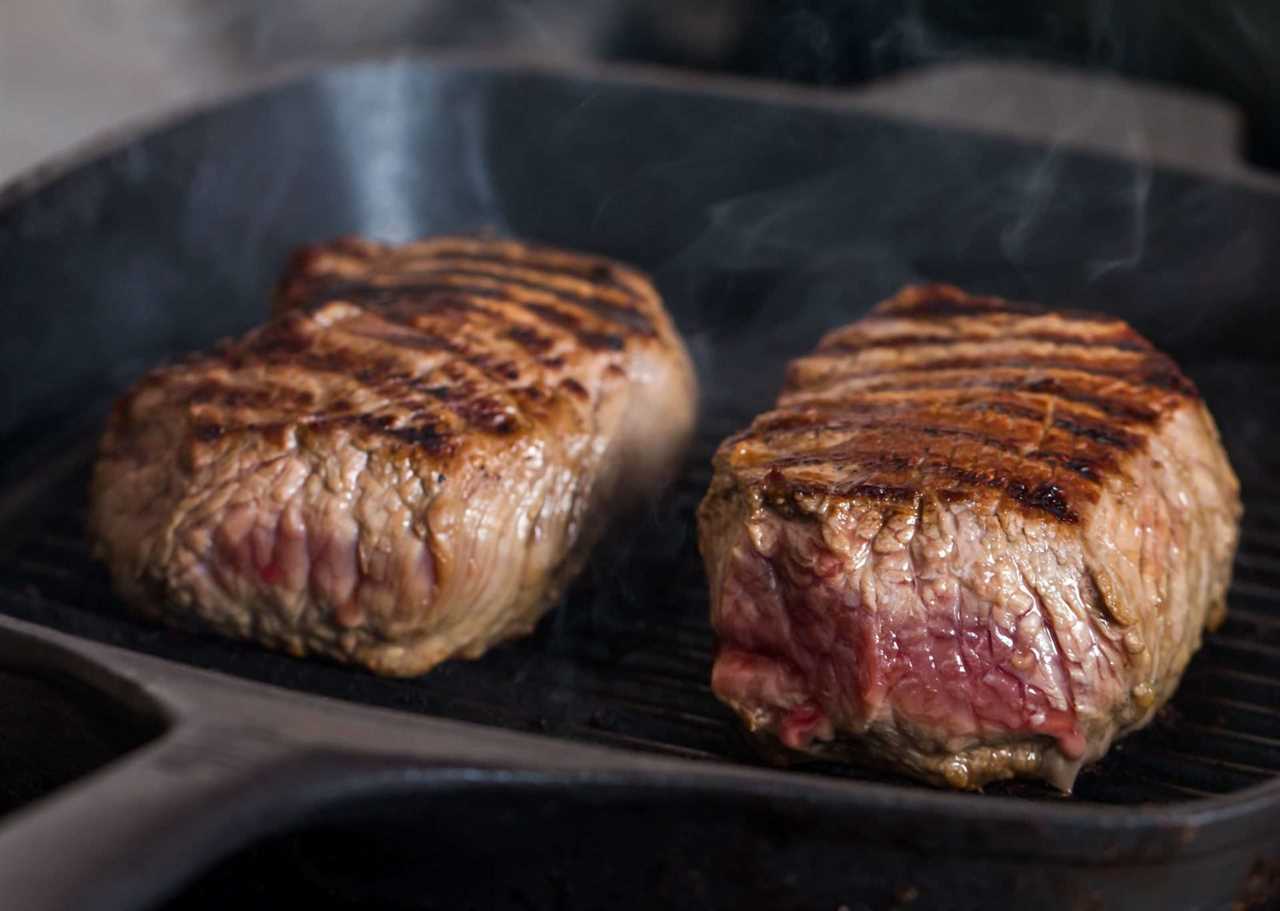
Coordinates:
(56,730)
(764,224)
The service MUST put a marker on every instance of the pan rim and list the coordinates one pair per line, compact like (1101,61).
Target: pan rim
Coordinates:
(102,143)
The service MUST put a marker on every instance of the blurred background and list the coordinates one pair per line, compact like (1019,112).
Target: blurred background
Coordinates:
(71,68)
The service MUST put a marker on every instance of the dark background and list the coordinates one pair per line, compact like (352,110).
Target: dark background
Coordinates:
(1231,49)
(69,68)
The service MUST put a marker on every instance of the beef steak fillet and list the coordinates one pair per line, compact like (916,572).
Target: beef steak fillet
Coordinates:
(407,463)
(974,540)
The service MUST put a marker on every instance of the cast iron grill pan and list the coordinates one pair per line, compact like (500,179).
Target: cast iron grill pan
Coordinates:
(625,660)
(765,223)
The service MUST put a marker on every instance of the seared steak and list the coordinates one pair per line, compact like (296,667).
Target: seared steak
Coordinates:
(975,540)
(407,463)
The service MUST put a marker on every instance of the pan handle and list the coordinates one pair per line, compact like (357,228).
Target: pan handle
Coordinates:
(130,834)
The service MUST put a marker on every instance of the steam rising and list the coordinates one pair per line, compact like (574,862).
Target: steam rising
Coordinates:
(1105,108)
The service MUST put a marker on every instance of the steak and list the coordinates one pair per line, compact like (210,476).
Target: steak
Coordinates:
(407,463)
(974,540)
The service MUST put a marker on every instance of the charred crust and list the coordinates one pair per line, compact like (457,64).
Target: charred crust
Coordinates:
(785,422)
(1106,435)
(530,340)
(214,392)
(604,273)
(589,338)
(780,492)
(1044,443)
(352,317)
(507,370)
(486,413)
(626,316)
(425,436)
(1043,497)
(602,341)
(1126,340)
(1117,406)
(1046,497)
(1129,412)
(544,259)
(1085,468)
(942,301)
(305,264)
(413,341)
(879,460)
(454,288)
(504,424)
(1141,373)
(1089,467)
(1164,374)
(375,421)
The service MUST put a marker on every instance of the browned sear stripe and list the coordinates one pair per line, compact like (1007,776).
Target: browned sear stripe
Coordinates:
(1044,419)
(503,324)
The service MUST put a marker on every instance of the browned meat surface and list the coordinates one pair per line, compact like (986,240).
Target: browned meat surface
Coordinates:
(407,463)
(975,540)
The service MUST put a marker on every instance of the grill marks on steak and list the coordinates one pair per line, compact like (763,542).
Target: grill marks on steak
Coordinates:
(1044,404)
(407,462)
(973,540)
